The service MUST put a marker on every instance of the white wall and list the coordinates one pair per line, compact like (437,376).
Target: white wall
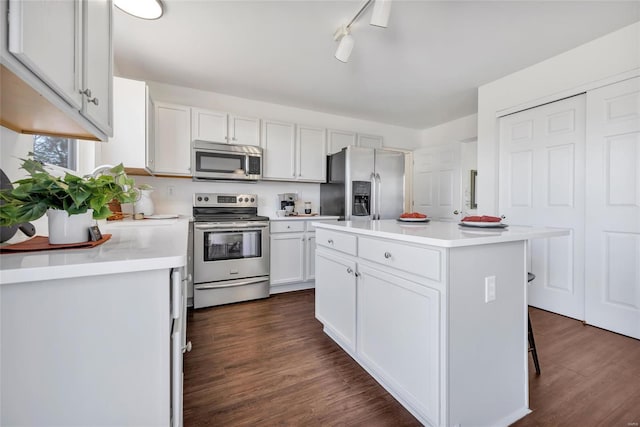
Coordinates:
(459,130)
(602,61)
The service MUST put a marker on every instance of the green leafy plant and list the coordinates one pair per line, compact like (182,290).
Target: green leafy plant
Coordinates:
(32,196)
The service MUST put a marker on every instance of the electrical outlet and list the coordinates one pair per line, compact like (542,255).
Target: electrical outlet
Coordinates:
(489,288)
(171,190)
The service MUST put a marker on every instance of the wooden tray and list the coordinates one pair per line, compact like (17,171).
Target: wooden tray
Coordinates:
(41,243)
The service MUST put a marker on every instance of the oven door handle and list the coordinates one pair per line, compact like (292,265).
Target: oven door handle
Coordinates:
(231,225)
(230,285)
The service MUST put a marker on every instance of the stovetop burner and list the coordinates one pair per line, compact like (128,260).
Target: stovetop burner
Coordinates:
(226,207)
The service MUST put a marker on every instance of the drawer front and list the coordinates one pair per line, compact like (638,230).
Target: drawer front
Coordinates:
(342,242)
(311,228)
(412,259)
(287,226)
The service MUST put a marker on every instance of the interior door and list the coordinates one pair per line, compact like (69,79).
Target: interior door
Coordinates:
(613,208)
(436,182)
(542,184)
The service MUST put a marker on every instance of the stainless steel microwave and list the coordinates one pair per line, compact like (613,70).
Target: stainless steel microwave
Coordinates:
(211,160)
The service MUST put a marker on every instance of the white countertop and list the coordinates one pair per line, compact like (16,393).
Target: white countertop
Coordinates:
(303,218)
(442,234)
(134,246)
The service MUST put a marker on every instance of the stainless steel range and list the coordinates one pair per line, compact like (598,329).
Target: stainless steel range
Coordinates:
(230,249)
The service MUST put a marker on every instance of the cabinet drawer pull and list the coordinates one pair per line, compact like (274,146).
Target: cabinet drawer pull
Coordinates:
(387,255)
(330,241)
(349,270)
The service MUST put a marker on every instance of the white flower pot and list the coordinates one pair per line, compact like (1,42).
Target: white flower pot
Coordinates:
(64,228)
(144,203)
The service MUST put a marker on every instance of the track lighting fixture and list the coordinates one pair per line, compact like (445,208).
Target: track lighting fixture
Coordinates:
(379,18)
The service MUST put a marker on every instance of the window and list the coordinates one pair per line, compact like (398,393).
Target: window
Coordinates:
(56,151)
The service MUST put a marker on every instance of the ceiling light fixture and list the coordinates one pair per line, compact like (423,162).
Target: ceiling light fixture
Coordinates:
(145,9)
(379,18)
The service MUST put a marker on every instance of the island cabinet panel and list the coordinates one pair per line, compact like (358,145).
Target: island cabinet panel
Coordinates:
(398,330)
(339,241)
(336,297)
(411,258)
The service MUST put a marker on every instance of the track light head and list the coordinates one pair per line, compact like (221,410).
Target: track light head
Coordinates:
(381,11)
(345,47)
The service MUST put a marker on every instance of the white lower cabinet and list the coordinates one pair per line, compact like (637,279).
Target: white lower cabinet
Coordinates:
(336,297)
(398,332)
(287,258)
(96,350)
(292,254)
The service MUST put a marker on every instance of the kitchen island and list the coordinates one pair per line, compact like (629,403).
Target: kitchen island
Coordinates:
(95,336)
(434,311)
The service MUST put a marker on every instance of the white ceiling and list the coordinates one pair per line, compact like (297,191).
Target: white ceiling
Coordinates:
(423,70)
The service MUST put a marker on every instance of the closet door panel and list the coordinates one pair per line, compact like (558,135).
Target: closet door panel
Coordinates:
(613,208)
(542,184)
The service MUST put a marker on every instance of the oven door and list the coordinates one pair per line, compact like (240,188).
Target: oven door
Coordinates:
(230,250)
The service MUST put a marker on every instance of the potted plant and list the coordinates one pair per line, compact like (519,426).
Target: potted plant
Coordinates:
(66,200)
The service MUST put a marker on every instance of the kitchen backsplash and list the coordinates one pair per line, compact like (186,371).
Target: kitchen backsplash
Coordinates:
(175,195)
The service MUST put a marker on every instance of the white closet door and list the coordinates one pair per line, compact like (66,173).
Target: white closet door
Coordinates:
(542,184)
(613,208)
(436,182)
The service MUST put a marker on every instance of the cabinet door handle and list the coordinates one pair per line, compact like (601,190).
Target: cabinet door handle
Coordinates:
(94,101)
(187,348)
(302,239)
(234,139)
(330,241)
(387,255)
(357,274)
(349,270)
(86,92)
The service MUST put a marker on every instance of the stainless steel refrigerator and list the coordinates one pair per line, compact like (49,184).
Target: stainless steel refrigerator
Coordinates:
(363,183)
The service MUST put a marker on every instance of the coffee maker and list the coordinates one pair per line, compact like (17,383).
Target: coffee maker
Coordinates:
(288,203)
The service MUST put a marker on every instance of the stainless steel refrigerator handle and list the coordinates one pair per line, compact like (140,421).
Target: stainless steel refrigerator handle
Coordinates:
(379,195)
(230,285)
(373,201)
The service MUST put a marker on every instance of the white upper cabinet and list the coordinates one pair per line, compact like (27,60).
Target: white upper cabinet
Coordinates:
(97,76)
(293,153)
(222,127)
(128,144)
(44,36)
(369,141)
(338,139)
(278,143)
(207,125)
(172,139)
(244,130)
(66,44)
(311,147)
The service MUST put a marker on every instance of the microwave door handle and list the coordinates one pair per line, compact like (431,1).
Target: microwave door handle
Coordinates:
(379,195)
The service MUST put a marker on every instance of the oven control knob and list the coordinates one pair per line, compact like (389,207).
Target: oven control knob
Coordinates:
(253,200)
(199,198)
(241,199)
(206,199)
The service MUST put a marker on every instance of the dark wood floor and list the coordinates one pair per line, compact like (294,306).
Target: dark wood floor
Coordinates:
(268,362)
